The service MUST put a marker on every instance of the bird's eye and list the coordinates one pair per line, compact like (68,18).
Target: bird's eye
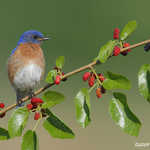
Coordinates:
(35,37)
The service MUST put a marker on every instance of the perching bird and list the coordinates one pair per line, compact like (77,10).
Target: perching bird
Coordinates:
(26,64)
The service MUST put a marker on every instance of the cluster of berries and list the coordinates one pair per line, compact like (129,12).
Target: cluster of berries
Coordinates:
(59,76)
(2,105)
(116,50)
(34,103)
(90,77)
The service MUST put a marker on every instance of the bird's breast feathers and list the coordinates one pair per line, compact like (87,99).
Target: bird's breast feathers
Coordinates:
(26,66)
(27,77)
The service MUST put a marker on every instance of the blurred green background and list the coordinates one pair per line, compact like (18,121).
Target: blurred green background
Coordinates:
(80,28)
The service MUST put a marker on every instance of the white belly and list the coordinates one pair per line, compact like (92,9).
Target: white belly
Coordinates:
(28,77)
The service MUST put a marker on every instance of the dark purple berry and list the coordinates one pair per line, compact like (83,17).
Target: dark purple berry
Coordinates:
(103,90)
(147,47)
(124,53)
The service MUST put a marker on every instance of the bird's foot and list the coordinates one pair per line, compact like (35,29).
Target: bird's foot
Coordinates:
(19,104)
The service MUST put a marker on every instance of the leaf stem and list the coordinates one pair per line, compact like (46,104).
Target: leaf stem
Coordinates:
(37,123)
(90,90)
(97,78)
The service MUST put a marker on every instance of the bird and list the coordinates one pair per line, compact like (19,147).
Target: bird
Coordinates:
(26,64)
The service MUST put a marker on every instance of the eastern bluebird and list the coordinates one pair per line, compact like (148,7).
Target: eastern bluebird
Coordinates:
(26,64)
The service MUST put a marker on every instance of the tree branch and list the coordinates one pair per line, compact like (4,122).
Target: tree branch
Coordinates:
(68,75)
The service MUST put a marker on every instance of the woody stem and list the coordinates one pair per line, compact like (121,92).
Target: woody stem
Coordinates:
(70,74)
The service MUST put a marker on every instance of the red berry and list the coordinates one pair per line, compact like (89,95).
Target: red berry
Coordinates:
(2,105)
(40,101)
(116,30)
(57,80)
(86,76)
(116,51)
(116,36)
(124,53)
(116,33)
(98,93)
(92,78)
(36,100)
(101,77)
(91,81)
(127,45)
(37,115)
(29,106)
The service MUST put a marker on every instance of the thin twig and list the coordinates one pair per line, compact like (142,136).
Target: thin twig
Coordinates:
(97,78)
(68,75)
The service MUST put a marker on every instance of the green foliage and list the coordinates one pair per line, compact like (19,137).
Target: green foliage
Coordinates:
(17,122)
(123,116)
(51,76)
(106,51)
(60,62)
(4,135)
(30,141)
(128,29)
(116,81)
(82,104)
(144,81)
(56,128)
(51,98)
(118,107)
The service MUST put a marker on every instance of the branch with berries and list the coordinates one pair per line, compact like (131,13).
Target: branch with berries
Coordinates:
(98,82)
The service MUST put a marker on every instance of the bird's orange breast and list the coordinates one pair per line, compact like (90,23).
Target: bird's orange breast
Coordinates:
(25,54)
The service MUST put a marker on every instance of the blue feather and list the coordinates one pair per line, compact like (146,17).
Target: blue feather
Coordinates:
(29,36)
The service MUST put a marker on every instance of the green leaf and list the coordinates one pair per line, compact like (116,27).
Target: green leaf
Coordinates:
(51,98)
(115,81)
(30,141)
(60,62)
(106,51)
(123,116)
(128,29)
(51,76)
(56,128)
(4,135)
(82,104)
(17,121)
(144,81)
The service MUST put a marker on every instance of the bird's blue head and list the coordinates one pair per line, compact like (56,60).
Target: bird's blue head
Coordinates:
(32,36)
